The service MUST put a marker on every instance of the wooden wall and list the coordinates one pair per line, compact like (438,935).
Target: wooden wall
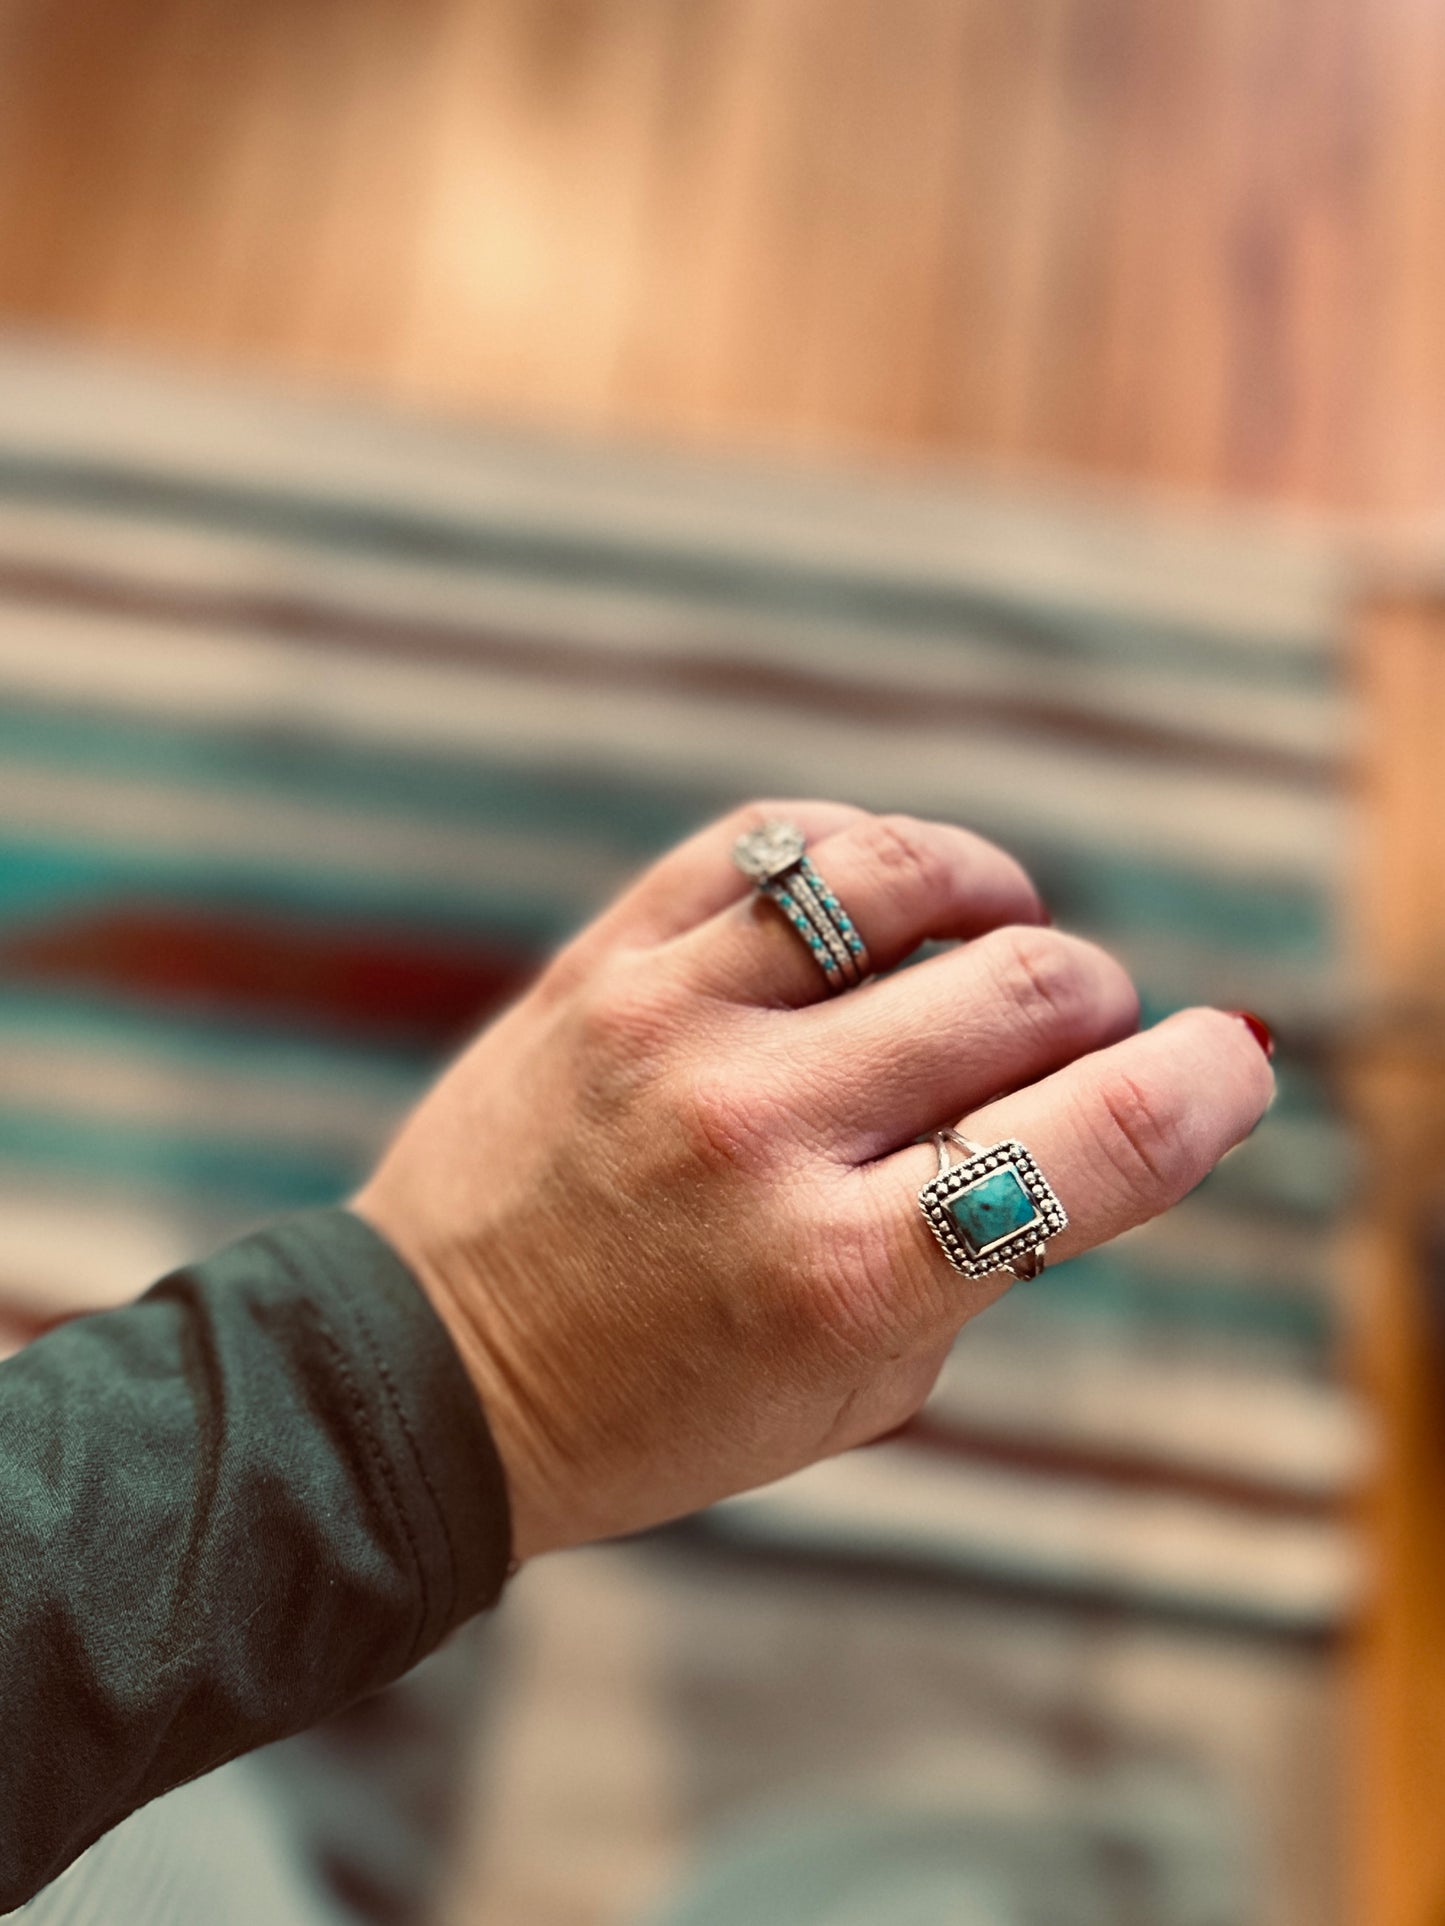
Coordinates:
(1197,242)
(1395,1257)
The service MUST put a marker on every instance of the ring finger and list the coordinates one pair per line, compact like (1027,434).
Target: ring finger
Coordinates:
(902,881)
(954,1031)
(1119,1135)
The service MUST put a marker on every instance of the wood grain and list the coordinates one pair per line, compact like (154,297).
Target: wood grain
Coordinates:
(1394,1258)
(1198,245)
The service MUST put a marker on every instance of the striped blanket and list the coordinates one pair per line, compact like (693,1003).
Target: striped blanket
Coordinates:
(318,728)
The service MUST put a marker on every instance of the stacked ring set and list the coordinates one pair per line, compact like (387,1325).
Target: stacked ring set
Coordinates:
(775,858)
(995,1211)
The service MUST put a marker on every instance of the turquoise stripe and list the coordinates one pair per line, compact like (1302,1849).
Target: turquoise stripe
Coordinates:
(253,1177)
(624,816)
(41,876)
(44,881)
(1094,890)
(1106,1288)
(620,815)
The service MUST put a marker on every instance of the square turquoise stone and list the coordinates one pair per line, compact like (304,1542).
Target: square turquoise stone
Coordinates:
(993,1208)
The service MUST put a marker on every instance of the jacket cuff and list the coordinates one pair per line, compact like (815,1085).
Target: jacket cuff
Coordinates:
(451,1486)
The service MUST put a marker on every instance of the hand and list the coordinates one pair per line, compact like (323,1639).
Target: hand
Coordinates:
(666,1206)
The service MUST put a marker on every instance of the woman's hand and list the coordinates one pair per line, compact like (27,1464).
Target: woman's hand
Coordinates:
(667,1205)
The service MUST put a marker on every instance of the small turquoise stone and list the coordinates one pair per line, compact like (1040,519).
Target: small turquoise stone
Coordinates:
(994,1207)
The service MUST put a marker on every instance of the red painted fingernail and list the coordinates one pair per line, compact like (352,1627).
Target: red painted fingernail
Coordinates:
(1258,1029)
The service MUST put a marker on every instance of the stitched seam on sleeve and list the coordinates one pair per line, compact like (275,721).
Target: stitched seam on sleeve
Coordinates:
(374,1446)
(383,1371)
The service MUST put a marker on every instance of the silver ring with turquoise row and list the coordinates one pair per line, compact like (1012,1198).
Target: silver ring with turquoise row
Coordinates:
(774,858)
(995,1211)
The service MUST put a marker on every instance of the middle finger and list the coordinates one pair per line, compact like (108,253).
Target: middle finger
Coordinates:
(882,1065)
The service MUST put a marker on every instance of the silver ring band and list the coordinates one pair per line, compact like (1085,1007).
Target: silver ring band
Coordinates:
(995,1211)
(817,934)
(774,857)
(841,924)
(941,1139)
(806,888)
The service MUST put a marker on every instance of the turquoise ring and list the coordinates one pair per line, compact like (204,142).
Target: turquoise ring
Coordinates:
(995,1211)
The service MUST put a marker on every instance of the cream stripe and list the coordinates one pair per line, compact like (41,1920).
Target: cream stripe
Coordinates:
(1244,574)
(302,839)
(1282,1430)
(897,1503)
(996,780)
(69,1249)
(1156,692)
(348,1116)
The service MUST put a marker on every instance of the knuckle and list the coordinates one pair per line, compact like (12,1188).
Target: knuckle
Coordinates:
(903,849)
(1046,977)
(1141,1136)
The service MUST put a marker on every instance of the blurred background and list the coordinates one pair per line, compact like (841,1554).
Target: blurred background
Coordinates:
(448,449)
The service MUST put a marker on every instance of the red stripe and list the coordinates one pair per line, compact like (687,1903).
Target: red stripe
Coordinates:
(376,984)
(1123,1470)
(813,689)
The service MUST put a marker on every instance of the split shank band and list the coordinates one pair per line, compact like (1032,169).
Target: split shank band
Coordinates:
(992,1211)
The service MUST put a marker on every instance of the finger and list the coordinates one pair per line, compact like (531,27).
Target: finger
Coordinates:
(1120,1135)
(880,1068)
(902,881)
(698,878)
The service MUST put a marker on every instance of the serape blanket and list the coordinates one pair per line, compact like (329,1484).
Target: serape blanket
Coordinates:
(319,727)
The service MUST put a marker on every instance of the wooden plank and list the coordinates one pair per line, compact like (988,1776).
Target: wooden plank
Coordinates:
(1397,1085)
(1193,245)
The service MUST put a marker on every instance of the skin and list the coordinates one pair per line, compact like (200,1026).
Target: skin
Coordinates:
(666,1206)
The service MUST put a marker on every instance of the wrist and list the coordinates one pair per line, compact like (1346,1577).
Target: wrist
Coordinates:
(534,1529)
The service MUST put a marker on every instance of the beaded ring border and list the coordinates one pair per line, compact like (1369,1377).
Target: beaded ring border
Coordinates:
(774,858)
(995,1211)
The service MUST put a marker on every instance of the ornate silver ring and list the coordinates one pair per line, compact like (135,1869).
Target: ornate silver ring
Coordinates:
(995,1211)
(774,857)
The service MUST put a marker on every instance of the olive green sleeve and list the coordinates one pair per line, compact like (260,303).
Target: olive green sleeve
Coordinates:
(258,1493)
